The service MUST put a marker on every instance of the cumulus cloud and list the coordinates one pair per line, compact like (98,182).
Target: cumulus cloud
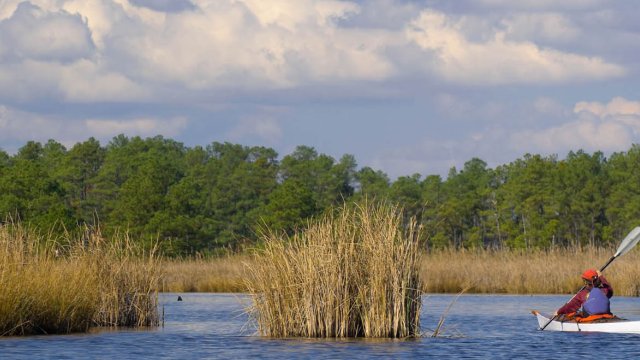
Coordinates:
(128,50)
(613,126)
(32,33)
(549,27)
(581,134)
(86,81)
(293,15)
(79,82)
(617,107)
(498,60)
(255,44)
(590,126)
(48,53)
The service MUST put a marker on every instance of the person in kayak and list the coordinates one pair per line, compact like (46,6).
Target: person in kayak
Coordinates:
(593,299)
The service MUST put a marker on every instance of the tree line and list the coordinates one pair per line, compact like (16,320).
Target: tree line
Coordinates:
(203,199)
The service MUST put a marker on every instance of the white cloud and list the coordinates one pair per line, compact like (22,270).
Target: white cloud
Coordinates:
(47,53)
(613,126)
(86,81)
(498,60)
(254,44)
(550,27)
(32,33)
(78,82)
(582,134)
(618,106)
(295,15)
(592,126)
(116,50)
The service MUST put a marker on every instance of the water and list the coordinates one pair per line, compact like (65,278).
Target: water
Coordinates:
(212,326)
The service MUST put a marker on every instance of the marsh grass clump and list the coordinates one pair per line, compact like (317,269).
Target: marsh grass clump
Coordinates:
(63,285)
(351,273)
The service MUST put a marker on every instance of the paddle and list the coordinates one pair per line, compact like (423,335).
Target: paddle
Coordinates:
(627,244)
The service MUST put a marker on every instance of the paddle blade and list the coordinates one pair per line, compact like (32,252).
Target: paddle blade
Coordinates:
(629,242)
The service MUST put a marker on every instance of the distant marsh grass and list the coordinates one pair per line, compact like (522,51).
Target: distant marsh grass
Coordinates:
(204,274)
(351,273)
(47,287)
(554,271)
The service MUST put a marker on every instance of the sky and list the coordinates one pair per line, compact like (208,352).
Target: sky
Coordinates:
(406,86)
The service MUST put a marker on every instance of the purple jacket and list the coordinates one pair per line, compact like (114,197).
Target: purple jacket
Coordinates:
(574,304)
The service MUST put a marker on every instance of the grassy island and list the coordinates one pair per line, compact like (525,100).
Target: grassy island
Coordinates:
(65,284)
(352,273)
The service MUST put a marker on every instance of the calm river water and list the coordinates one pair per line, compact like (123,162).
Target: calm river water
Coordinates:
(213,326)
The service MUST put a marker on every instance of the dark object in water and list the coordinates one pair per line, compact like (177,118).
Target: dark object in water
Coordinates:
(179,298)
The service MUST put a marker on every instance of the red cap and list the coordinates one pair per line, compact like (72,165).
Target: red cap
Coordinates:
(590,274)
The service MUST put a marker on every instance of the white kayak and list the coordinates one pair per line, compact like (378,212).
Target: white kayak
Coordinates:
(611,326)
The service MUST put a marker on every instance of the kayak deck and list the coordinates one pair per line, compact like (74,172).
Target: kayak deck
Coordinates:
(611,326)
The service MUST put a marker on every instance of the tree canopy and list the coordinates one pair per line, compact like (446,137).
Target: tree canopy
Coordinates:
(203,199)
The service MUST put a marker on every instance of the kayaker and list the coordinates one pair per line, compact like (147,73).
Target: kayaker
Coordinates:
(593,299)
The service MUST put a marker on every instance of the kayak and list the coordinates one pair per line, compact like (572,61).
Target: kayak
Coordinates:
(610,326)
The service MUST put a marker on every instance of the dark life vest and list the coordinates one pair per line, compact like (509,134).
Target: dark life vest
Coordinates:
(597,302)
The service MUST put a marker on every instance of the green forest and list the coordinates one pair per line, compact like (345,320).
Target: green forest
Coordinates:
(207,199)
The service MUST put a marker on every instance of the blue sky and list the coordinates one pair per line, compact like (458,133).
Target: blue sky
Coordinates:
(405,86)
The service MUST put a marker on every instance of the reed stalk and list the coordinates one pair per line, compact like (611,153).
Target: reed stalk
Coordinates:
(63,285)
(351,273)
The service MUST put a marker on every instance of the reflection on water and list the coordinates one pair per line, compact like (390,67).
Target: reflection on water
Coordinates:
(215,326)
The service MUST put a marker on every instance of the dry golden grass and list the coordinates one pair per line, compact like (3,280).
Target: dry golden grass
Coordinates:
(554,271)
(221,274)
(536,272)
(349,274)
(49,288)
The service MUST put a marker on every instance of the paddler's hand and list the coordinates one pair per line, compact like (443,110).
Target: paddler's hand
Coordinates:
(599,273)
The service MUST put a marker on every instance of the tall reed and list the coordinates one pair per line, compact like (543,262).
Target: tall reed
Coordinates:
(62,285)
(351,273)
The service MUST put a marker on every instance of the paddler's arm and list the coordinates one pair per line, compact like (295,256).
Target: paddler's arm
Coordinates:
(574,304)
